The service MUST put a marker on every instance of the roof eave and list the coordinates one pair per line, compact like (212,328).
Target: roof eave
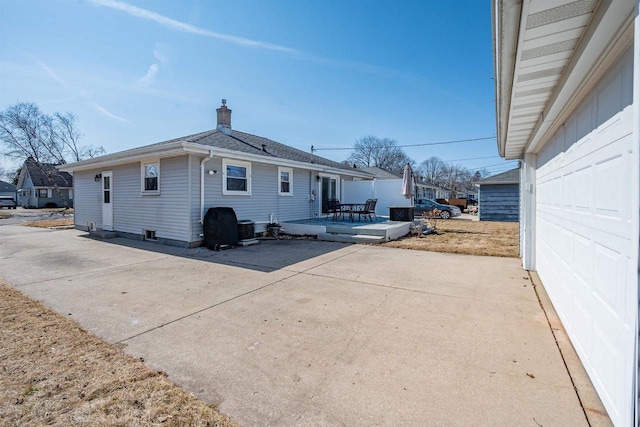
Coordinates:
(183,147)
(240,155)
(127,156)
(506,28)
(609,33)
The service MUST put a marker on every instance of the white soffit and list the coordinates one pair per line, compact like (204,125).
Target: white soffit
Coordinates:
(549,34)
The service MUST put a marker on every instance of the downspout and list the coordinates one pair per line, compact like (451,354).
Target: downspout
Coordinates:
(202,162)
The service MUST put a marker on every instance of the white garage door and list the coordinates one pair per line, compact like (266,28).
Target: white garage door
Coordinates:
(584,245)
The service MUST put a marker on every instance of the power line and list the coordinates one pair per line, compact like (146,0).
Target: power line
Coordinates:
(495,165)
(412,145)
(470,158)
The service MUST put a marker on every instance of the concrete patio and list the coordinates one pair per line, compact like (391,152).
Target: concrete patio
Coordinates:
(317,333)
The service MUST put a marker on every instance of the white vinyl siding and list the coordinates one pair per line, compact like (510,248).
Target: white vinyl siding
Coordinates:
(264,199)
(88,199)
(583,243)
(168,213)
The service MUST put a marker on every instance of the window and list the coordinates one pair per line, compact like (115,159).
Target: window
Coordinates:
(41,192)
(70,194)
(236,178)
(285,181)
(151,177)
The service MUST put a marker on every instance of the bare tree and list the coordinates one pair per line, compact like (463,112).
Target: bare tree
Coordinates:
(431,170)
(28,133)
(480,174)
(25,131)
(380,152)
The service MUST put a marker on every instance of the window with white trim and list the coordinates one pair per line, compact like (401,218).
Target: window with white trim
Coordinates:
(236,177)
(70,194)
(285,181)
(150,171)
(42,192)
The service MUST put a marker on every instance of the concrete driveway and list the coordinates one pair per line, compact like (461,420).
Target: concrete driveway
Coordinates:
(313,333)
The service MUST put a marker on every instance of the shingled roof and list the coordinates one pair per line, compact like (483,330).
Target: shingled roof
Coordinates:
(381,173)
(509,177)
(46,174)
(252,144)
(6,187)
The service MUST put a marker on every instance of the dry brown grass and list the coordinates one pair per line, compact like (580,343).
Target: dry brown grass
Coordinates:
(49,223)
(467,237)
(55,373)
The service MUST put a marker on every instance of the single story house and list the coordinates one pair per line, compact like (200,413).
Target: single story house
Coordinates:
(500,196)
(567,80)
(42,185)
(162,191)
(8,190)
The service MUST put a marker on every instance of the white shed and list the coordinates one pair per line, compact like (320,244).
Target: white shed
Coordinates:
(568,104)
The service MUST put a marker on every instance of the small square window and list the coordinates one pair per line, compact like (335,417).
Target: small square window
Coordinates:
(42,192)
(236,177)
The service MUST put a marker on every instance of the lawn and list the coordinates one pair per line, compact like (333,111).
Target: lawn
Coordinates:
(461,236)
(51,223)
(55,373)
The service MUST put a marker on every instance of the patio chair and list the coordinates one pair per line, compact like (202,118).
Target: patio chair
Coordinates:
(334,209)
(367,209)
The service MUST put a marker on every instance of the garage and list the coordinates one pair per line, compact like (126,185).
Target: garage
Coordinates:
(567,77)
(583,248)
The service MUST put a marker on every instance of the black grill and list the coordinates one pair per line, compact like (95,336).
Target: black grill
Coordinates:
(220,227)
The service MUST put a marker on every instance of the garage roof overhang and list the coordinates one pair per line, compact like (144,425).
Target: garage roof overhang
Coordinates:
(546,56)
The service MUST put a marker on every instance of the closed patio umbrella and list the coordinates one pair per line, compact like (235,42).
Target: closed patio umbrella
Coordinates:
(407,183)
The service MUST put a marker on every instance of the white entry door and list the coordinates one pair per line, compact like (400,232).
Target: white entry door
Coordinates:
(107,201)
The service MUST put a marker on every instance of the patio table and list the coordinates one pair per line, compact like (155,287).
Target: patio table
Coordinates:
(350,208)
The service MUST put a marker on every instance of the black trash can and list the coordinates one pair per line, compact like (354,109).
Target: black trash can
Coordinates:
(220,227)
(246,229)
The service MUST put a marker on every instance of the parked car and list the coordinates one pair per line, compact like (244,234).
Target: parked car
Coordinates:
(7,202)
(427,205)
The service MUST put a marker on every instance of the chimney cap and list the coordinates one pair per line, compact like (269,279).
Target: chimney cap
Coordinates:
(224,101)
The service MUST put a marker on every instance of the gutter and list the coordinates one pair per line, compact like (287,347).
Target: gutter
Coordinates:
(202,162)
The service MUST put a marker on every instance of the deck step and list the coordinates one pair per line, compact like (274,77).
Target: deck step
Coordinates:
(103,234)
(371,229)
(350,238)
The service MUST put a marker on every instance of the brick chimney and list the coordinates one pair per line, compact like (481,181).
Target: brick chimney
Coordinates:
(224,118)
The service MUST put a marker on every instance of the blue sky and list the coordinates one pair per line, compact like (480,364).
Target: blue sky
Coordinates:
(301,72)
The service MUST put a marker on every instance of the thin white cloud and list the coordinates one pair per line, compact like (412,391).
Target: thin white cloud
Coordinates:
(49,71)
(107,113)
(160,53)
(150,76)
(76,93)
(188,28)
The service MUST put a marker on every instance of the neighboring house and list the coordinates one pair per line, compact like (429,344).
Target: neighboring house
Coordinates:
(41,185)
(162,191)
(500,197)
(387,188)
(568,105)
(8,190)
